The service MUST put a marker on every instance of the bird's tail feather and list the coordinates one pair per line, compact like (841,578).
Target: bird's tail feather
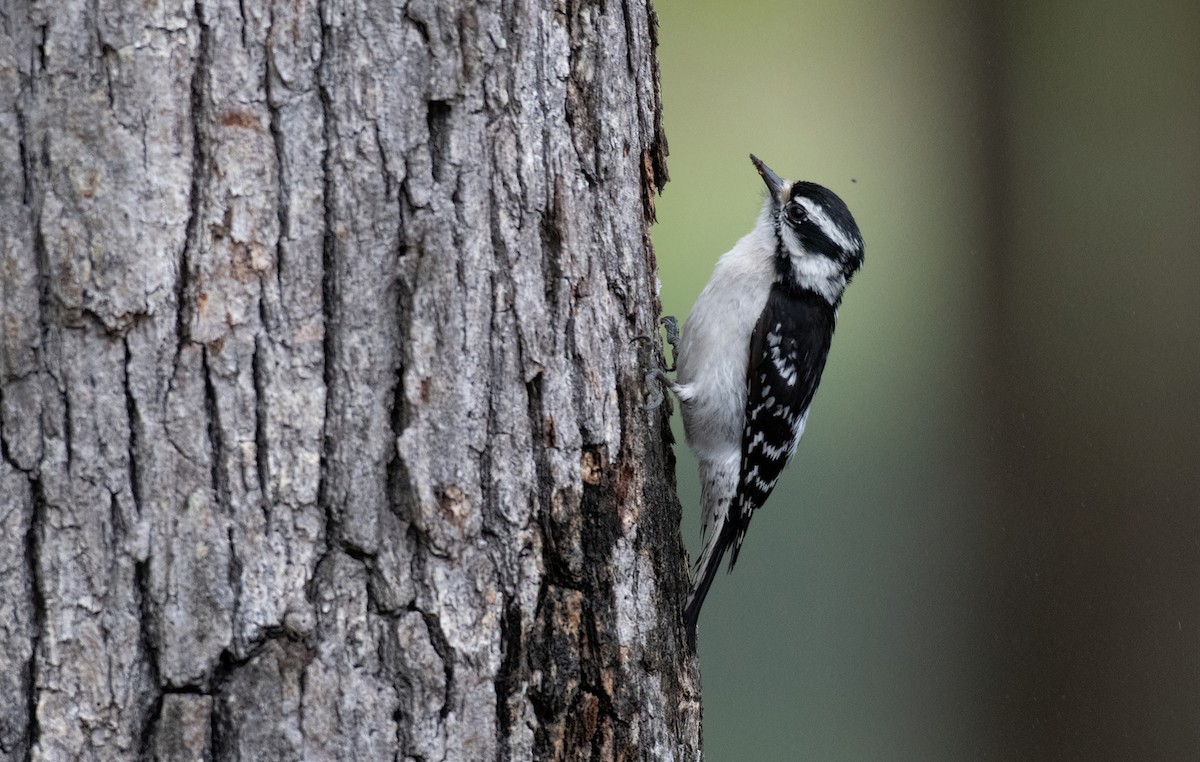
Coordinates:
(707,567)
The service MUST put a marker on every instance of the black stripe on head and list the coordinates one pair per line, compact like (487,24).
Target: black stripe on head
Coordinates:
(839,215)
(816,241)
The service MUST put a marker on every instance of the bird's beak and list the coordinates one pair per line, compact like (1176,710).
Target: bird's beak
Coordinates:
(775,184)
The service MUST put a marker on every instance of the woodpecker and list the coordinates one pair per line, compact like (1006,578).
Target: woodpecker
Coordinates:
(751,356)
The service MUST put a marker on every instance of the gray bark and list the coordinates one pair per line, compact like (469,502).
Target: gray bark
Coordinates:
(321,431)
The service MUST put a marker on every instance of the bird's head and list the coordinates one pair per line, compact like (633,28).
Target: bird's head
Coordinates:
(817,243)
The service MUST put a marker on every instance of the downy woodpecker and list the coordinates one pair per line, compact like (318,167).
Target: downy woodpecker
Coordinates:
(751,357)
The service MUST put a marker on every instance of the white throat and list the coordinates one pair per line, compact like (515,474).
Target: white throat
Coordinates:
(813,271)
(819,274)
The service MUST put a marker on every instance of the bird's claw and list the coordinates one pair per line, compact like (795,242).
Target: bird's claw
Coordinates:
(656,378)
(672,325)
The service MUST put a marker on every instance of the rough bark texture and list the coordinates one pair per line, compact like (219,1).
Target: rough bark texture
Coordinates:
(321,430)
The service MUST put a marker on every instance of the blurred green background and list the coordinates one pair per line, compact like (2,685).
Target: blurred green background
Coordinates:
(988,546)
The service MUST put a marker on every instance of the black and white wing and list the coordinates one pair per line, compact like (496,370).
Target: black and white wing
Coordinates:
(787,355)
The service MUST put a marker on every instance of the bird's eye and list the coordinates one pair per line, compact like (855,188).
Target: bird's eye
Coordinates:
(796,213)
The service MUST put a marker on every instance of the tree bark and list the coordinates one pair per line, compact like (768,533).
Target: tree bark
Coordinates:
(321,430)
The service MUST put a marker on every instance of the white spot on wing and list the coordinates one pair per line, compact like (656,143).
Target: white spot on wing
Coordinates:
(784,364)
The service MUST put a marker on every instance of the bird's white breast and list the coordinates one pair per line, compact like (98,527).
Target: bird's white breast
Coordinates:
(716,344)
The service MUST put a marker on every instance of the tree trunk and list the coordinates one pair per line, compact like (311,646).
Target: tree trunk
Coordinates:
(322,432)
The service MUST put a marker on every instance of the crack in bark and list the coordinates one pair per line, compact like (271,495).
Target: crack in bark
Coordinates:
(625,12)
(220,482)
(558,552)
(148,641)
(234,576)
(441,645)
(31,199)
(220,742)
(242,16)
(389,180)
(33,553)
(550,232)
(68,438)
(508,676)
(135,421)
(400,494)
(191,241)
(41,48)
(437,121)
(41,258)
(212,414)
(261,443)
(26,165)
(580,106)
(283,197)
(107,55)
(5,453)
(150,728)
(495,370)
(329,281)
